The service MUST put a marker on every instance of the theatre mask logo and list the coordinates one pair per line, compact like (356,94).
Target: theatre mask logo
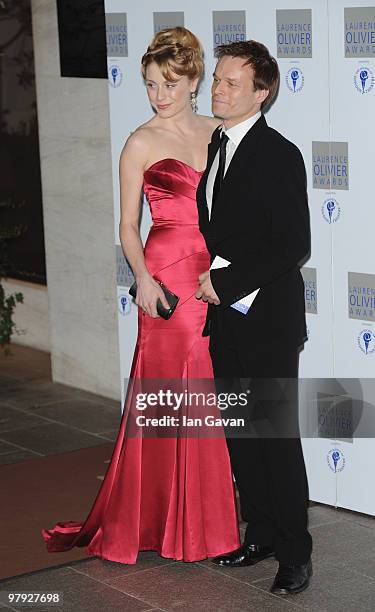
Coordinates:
(359,31)
(364,80)
(125,276)
(331,210)
(311,295)
(228,27)
(330,165)
(361,296)
(294,33)
(116,34)
(170,19)
(114,75)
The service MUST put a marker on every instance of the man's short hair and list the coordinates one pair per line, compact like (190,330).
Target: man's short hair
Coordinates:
(266,70)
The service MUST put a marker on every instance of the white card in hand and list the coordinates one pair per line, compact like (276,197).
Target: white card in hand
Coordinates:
(244,304)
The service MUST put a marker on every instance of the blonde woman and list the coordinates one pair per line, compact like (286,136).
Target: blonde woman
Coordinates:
(174,494)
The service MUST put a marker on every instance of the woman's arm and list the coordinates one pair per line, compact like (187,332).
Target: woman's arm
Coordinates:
(132,164)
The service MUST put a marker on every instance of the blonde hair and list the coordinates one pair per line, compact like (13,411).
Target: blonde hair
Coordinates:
(175,51)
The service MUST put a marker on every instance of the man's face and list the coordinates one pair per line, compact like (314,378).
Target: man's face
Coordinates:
(233,95)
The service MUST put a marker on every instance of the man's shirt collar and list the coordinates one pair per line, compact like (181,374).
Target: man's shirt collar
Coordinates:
(237,132)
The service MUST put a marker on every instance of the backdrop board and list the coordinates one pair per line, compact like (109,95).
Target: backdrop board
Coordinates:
(326,54)
(352,104)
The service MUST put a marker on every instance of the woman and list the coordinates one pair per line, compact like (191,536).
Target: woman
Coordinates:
(173,494)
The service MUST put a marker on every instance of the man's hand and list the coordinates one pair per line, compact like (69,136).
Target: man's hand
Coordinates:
(206,290)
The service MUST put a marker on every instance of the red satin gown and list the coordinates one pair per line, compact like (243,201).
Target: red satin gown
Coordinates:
(171,495)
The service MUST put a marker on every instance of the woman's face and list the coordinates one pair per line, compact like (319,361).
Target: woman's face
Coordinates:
(168,98)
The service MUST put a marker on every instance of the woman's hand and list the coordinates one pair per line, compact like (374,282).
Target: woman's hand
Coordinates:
(148,293)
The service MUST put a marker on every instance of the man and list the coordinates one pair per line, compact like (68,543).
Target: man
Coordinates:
(253,212)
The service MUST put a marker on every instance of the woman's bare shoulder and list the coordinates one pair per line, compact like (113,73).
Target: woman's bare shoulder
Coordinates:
(141,136)
(139,142)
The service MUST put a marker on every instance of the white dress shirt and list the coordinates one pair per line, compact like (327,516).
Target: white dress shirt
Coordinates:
(235,135)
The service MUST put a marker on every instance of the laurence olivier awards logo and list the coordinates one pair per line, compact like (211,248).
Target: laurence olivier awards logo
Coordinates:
(311,296)
(330,165)
(366,341)
(170,19)
(116,34)
(335,416)
(361,296)
(294,79)
(331,210)
(359,31)
(228,27)
(114,75)
(336,460)
(364,80)
(125,276)
(294,33)
(124,304)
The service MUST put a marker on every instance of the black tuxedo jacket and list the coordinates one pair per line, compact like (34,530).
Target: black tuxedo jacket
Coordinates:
(260,223)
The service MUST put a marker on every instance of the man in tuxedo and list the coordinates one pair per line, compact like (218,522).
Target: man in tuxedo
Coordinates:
(253,212)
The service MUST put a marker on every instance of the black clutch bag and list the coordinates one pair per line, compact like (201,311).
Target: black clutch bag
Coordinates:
(172,300)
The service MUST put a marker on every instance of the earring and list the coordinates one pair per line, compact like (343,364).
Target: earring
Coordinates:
(193,102)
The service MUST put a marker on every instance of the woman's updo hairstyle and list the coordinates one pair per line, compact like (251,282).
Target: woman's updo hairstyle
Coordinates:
(175,51)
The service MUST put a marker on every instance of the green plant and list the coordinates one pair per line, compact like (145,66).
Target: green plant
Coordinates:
(7,302)
(7,325)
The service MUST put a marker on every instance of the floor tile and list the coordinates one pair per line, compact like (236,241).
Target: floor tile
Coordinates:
(192,587)
(52,439)
(107,570)
(333,588)
(364,564)
(356,517)
(109,435)
(342,540)
(80,593)
(5,447)
(7,382)
(99,398)
(30,395)
(17,456)
(321,515)
(86,415)
(12,420)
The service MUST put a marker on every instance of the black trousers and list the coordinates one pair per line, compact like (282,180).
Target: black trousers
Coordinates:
(267,463)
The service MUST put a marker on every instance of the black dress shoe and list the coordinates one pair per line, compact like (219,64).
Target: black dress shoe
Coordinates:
(292,578)
(247,554)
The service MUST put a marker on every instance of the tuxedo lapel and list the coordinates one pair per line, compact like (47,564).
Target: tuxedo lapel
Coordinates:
(201,192)
(213,148)
(239,166)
